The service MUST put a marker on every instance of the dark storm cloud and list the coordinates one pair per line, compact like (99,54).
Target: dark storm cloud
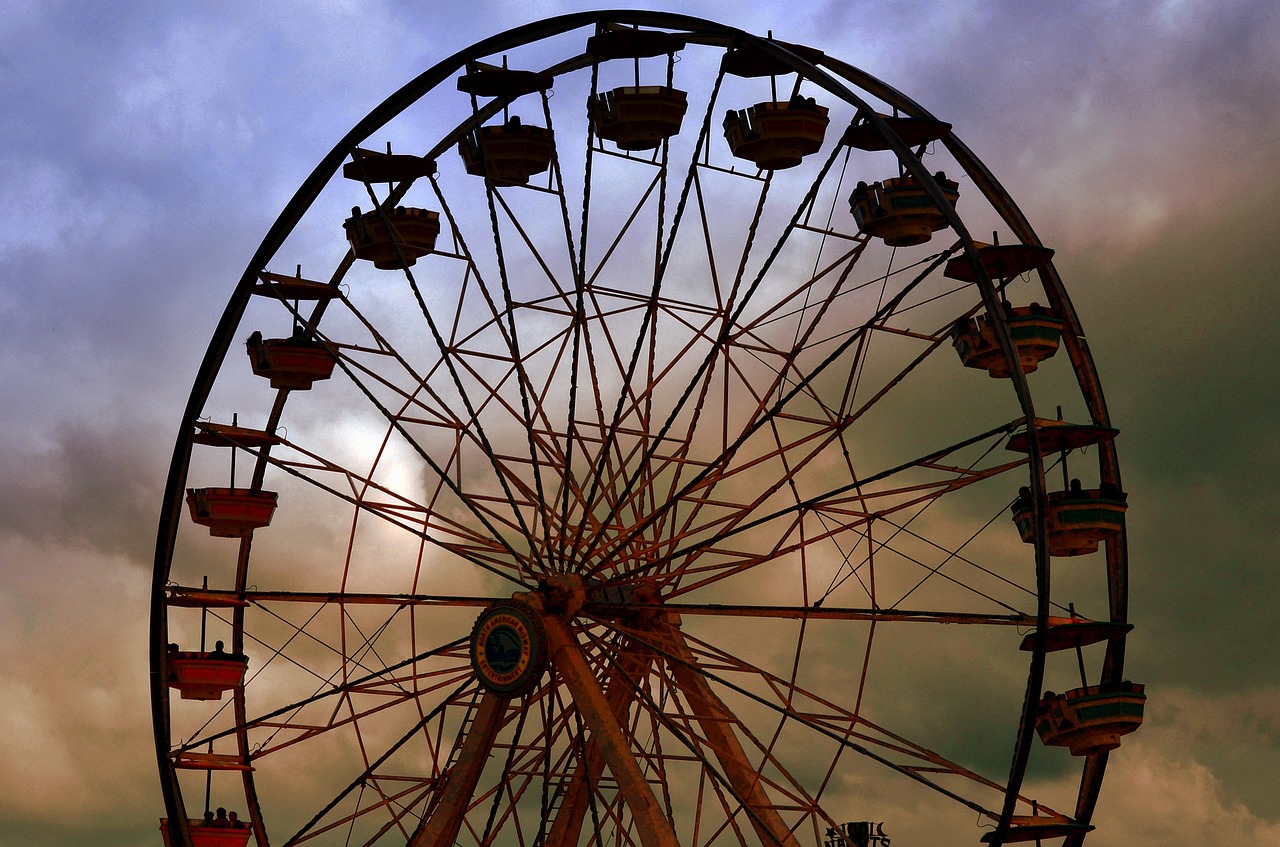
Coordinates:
(1188,354)
(1104,119)
(1197,398)
(95,484)
(70,702)
(138,182)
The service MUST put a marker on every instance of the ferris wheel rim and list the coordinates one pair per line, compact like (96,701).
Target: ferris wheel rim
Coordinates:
(302,200)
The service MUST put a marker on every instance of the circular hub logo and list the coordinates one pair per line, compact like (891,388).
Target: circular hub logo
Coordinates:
(508,648)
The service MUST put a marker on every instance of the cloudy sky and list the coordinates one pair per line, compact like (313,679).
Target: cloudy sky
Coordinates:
(147,147)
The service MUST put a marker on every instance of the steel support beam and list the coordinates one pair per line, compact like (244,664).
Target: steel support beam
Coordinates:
(716,722)
(611,739)
(440,827)
(633,662)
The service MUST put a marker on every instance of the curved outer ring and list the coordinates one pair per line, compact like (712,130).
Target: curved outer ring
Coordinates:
(415,89)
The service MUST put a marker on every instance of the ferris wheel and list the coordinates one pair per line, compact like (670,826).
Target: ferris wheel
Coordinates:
(642,440)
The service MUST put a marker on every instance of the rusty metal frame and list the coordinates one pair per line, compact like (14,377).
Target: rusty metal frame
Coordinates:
(605,707)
